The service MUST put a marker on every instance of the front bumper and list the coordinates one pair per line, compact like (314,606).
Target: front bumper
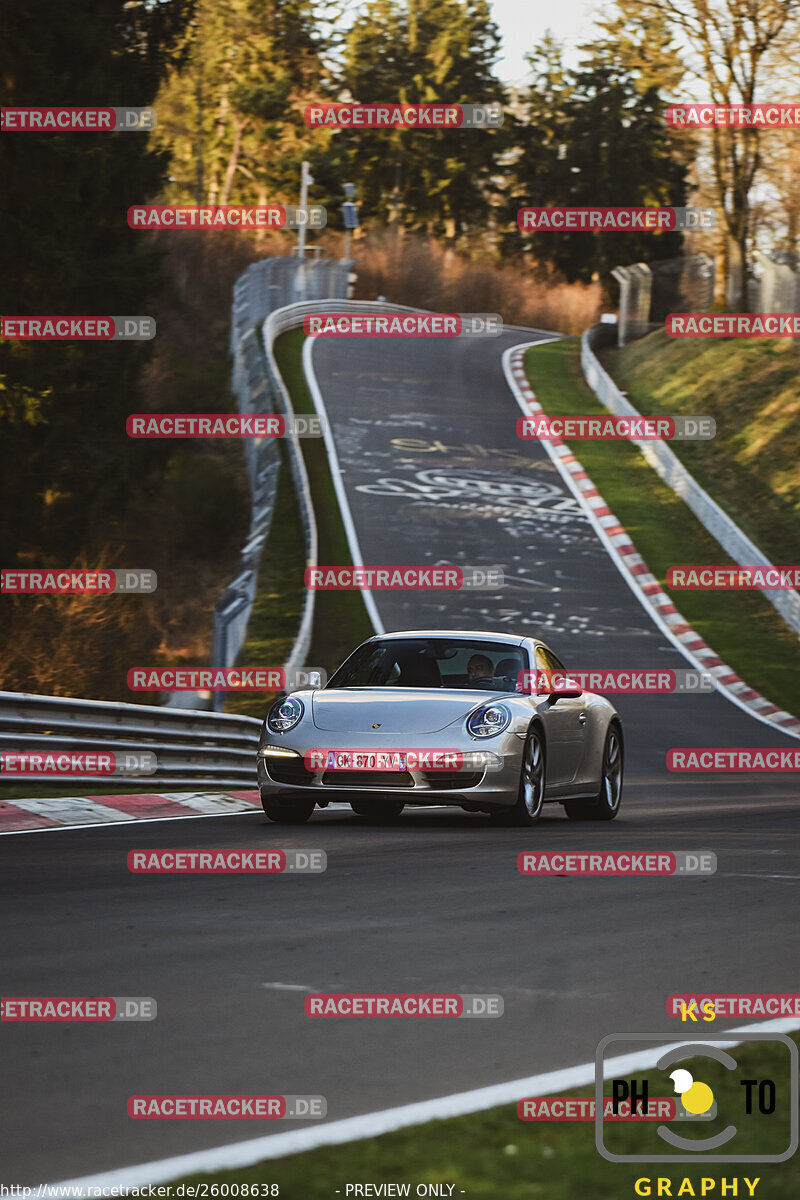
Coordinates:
(286,774)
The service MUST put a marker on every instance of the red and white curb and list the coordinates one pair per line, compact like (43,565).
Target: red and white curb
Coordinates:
(36,815)
(633,568)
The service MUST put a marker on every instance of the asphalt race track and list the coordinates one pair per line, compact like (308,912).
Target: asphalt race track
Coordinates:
(433,902)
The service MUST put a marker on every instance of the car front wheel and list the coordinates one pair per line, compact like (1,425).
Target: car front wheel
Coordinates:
(530,794)
(605,805)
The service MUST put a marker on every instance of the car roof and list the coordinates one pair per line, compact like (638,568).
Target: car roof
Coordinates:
(507,639)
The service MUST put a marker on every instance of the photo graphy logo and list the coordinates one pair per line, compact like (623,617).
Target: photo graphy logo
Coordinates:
(735,1113)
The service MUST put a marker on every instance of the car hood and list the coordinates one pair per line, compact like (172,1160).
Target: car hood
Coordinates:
(396,710)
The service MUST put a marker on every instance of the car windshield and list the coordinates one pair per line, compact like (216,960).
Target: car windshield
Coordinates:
(432,662)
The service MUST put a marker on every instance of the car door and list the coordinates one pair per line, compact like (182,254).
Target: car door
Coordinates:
(565,723)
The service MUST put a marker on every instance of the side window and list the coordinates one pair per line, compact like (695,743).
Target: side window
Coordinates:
(547,661)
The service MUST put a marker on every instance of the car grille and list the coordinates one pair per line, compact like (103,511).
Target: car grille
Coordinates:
(448,781)
(288,770)
(373,779)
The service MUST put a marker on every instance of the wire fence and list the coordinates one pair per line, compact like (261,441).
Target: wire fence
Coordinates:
(649,292)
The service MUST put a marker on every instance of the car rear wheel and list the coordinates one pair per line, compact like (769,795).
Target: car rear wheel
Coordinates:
(288,812)
(605,805)
(378,810)
(530,795)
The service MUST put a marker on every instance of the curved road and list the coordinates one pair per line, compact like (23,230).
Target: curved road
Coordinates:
(425,432)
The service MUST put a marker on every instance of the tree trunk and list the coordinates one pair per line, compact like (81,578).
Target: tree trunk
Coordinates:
(233,163)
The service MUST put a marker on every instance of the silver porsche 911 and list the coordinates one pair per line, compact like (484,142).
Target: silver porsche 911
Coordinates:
(438,718)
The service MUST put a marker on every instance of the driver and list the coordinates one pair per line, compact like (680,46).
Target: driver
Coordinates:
(480,668)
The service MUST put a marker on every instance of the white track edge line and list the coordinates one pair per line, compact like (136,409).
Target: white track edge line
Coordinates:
(352,1129)
(650,608)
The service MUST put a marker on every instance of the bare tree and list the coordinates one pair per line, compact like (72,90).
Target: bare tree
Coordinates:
(731,46)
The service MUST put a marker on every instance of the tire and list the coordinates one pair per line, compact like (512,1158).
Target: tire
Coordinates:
(532,777)
(378,810)
(605,805)
(288,812)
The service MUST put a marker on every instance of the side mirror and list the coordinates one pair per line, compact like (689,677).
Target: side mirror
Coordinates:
(558,684)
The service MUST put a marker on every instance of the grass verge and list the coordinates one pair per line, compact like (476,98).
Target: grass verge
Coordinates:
(742,627)
(496,1155)
(279,596)
(751,387)
(340,618)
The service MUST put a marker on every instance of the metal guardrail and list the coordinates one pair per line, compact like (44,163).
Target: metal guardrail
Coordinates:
(272,283)
(190,747)
(669,468)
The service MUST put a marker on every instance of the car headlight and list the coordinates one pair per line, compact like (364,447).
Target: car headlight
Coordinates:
(489,720)
(284,715)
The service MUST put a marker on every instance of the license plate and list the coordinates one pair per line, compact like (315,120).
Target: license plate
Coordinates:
(355,760)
